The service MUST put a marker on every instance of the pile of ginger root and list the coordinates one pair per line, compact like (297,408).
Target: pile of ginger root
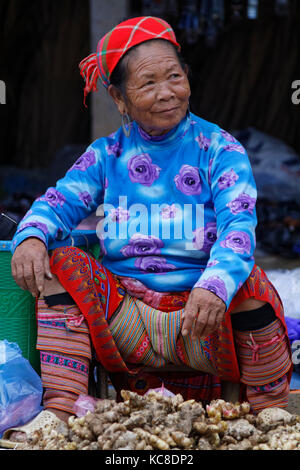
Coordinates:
(157,422)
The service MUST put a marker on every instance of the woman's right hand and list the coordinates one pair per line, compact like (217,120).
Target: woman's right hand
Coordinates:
(30,265)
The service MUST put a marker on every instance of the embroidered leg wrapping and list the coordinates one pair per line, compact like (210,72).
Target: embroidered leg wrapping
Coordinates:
(65,352)
(264,361)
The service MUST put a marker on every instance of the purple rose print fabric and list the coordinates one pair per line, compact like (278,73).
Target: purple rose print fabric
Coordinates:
(114,149)
(196,165)
(86,198)
(188,180)
(59,234)
(102,245)
(228,136)
(227,179)
(85,161)
(210,164)
(205,237)
(169,211)
(142,170)
(39,225)
(242,203)
(212,262)
(154,265)
(54,197)
(234,148)
(142,245)
(239,242)
(119,215)
(215,285)
(203,142)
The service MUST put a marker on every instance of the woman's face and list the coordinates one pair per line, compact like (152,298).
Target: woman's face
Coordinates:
(157,88)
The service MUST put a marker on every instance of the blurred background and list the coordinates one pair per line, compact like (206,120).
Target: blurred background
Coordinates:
(244,59)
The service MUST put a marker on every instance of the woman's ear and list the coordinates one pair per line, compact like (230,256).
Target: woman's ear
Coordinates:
(118,98)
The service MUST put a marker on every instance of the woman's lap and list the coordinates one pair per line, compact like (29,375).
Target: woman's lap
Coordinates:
(217,354)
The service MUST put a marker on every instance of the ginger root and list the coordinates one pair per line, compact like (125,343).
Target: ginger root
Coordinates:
(154,421)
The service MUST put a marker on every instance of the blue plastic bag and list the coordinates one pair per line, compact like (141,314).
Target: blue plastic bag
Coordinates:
(20,388)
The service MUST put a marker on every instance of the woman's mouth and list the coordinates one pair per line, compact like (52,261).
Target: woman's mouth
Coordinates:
(167,110)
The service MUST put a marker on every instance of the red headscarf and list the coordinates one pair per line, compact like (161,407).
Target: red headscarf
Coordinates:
(116,43)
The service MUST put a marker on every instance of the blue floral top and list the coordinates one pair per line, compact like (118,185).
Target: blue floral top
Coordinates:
(175,212)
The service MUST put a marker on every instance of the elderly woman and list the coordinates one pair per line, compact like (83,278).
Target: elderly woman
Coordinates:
(177,282)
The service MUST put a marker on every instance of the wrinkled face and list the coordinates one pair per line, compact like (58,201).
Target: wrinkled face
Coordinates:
(157,88)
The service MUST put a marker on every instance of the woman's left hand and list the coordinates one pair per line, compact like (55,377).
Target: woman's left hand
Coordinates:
(203,313)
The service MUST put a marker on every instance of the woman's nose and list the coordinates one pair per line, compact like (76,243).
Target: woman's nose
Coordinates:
(165,92)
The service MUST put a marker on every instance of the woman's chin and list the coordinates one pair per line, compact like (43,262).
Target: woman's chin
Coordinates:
(166,122)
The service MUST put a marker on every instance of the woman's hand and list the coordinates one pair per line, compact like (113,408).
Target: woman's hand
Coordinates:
(203,313)
(30,265)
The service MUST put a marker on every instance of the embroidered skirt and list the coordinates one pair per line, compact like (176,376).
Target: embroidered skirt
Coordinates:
(128,333)
(65,352)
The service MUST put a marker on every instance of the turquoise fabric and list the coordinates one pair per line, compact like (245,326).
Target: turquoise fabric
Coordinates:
(175,212)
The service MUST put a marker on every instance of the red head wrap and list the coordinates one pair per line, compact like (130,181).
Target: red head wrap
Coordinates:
(116,43)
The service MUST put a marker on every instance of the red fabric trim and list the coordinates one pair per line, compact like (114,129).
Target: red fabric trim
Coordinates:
(92,286)
(259,287)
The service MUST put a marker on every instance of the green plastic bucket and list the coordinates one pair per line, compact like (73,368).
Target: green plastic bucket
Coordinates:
(17,311)
(17,307)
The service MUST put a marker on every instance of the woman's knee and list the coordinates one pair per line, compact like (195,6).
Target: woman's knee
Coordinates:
(53,286)
(248,304)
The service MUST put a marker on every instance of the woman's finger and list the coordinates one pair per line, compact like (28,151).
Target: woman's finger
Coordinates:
(209,326)
(47,268)
(18,276)
(190,313)
(201,323)
(214,320)
(29,278)
(39,275)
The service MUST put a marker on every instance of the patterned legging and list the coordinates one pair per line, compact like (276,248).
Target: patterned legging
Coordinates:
(146,335)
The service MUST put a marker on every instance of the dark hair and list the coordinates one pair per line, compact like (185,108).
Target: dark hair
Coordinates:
(119,74)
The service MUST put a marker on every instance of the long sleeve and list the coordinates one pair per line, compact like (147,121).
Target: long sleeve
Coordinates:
(55,214)
(234,196)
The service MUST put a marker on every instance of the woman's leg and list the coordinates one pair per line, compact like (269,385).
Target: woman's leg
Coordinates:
(73,315)
(65,350)
(263,354)
(248,304)
(53,287)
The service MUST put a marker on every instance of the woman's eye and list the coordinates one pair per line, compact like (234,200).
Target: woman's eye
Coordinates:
(149,83)
(175,75)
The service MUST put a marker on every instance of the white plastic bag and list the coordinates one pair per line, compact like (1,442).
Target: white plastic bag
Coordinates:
(20,388)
